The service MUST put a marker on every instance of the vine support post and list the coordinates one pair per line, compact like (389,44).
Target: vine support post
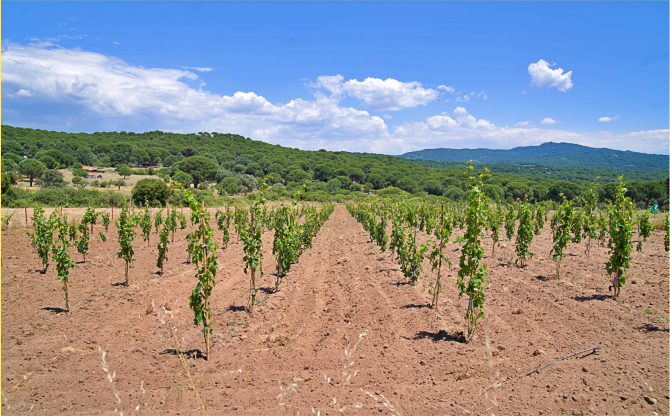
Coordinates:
(67,296)
(126,272)
(439,264)
(252,289)
(414,276)
(26,211)
(112,213)
(205,265)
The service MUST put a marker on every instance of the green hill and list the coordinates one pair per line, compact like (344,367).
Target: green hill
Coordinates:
(222,164)
(553,155)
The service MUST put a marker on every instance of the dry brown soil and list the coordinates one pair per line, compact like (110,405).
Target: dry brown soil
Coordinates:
(342,287)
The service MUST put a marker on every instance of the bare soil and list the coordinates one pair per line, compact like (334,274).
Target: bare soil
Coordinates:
(408,360)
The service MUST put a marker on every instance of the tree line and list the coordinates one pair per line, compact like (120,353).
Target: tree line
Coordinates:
(221,164)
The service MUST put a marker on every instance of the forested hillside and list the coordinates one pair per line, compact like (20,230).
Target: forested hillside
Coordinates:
(225,164)
(554,155)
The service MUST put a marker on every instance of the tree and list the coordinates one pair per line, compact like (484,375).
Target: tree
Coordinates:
(13,157)
(124,171)
(333,185)
(32,169)
(85,156)
(52,178)
(247,183)
(154,191)
(323,172)
(357,175)
(228,186)
(119,183)
(297,175)
(6,182)
(223,173)
(454,193)
(79,172)
(377,181)
(49,162)
(199,167)
(183,178)
(433,187)
(9,165)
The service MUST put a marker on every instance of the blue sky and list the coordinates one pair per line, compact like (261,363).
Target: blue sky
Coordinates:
(358,76)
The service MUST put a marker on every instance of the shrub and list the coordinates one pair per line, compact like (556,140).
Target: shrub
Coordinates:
(52,178)
(6,182)
(333,185)
(79,172)
(247,183)
(155,191)
(389,190)
(228,185)
(183,178)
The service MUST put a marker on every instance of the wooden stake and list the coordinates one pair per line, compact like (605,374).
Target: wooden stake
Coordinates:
(204,243)
(439,264)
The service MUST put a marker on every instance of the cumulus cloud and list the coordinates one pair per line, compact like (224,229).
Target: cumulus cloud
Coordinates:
(607,119)
(523,123)
(390,94)
(378,94)
(111,89)
(447,89)
(547,121)
(541,76)
(72,88)
(332,83)
(23,93)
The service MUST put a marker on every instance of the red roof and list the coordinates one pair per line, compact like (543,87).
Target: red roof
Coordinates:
(89,168)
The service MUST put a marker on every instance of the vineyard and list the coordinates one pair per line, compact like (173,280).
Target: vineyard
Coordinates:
(393,306)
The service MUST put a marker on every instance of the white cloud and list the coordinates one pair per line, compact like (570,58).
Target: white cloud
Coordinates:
(106,93)
(389,94)
(198,68)
(23,93)
(547,121)
(523,123)
(378,94)
(447,89)
(112,89)
(332,83)
(541,76)
(607,119)
(467,97)
(460,111)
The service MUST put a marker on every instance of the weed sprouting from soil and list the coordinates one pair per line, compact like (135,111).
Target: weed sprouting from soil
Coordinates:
(165,318)
(348,374)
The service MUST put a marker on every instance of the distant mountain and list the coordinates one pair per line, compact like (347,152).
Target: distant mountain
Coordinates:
(552,155)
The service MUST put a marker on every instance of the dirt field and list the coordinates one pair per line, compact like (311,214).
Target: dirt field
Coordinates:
(342,287)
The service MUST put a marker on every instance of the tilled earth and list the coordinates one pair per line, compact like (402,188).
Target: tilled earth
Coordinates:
(343,289)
